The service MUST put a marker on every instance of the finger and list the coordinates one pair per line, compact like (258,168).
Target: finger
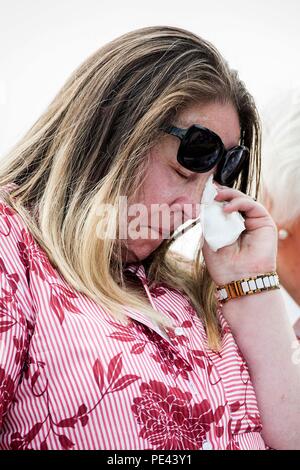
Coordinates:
(219,186)
(225,193)
(247,205)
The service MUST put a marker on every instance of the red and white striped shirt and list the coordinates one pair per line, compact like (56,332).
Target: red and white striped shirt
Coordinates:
(72,377)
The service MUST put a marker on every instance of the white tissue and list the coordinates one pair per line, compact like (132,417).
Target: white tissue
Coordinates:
(219,228)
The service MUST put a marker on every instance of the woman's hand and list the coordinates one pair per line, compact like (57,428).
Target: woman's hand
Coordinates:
(254,252)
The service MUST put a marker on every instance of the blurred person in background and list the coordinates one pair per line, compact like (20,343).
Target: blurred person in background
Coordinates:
(281,191)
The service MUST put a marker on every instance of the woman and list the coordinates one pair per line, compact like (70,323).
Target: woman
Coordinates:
(281,193)
(111,342)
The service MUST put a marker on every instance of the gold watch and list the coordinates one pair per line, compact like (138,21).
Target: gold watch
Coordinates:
(248,286)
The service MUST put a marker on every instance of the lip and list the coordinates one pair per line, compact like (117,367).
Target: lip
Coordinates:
(161,231)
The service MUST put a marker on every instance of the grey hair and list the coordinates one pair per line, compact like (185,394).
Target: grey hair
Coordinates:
(281,155)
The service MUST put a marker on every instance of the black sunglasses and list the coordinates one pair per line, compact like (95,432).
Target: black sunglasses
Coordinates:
(201,150)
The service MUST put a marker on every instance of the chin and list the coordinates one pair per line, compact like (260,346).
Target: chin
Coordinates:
(143,250)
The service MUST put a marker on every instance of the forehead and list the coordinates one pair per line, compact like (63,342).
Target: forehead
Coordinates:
(221,118)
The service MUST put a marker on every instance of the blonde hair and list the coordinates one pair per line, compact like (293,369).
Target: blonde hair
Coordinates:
(281,156)
(89,148)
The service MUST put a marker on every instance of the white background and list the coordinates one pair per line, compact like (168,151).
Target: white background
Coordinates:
(43,41)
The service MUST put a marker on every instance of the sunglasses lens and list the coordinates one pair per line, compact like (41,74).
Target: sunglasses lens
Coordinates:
(199,150)
(230,168)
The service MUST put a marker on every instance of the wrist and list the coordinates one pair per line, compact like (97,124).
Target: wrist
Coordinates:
(247,285)
(241,302)
(226,278)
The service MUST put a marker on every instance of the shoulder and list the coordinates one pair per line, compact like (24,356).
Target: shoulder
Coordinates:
(14,236)
(10,219)
(15,286)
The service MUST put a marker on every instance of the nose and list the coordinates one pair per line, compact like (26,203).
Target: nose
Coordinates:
(190,205)
(194,195)
(191,209)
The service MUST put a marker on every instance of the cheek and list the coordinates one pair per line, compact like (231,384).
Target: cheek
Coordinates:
(161,181)
(160,187)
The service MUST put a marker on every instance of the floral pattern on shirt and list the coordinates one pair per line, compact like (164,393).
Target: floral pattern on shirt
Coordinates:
(169,420)
(72,377)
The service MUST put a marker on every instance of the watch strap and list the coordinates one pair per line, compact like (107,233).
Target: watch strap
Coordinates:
(248,286)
